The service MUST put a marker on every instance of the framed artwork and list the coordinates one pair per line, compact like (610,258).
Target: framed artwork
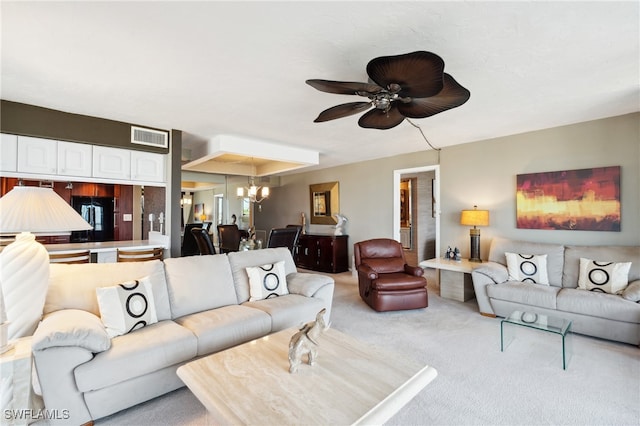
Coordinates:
(325,202)
(576,200)
(198,210)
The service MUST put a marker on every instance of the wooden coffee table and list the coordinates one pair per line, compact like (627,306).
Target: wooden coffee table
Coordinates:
(351,383)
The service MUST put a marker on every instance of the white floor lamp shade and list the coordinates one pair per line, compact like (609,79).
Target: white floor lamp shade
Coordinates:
(24,264)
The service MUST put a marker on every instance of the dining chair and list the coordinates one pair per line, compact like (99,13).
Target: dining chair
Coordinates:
(205,245)
(139,255)
(284,237)
(229,238)
(189,244)
(75,256)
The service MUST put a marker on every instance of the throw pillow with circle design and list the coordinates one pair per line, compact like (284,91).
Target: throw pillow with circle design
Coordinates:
(603,276)
(528,268)
(127,307)
(267,281)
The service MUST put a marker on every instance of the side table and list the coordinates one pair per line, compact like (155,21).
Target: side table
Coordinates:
(18,403)
(454,277)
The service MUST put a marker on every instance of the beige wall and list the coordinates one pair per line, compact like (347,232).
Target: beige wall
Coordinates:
(482,173)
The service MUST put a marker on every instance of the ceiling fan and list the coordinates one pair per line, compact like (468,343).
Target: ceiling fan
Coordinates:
(412,85)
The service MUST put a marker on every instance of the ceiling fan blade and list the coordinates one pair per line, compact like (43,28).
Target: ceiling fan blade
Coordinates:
(343,110)
(418,73)
(343,87)
(452,95)
(379,119)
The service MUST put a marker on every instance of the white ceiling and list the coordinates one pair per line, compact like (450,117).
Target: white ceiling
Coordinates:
(239,68)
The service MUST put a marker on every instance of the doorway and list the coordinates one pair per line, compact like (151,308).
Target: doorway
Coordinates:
(416,212)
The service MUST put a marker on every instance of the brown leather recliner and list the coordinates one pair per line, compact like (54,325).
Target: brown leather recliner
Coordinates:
(385,280)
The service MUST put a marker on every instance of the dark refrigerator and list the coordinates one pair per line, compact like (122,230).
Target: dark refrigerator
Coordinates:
(98,211)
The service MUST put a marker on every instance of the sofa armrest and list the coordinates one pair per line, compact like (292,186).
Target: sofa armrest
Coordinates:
(307,284)
(497,272)
(71,328)
(416,271)
(632,292)
(485,274)
(317,286)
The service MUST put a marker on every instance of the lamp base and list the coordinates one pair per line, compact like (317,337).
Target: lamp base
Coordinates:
(475,245)
(24,274)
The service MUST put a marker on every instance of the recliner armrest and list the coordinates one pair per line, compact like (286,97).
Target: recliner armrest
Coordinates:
(366,270)
(416,271)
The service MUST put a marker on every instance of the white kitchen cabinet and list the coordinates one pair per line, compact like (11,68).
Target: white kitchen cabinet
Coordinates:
(74,159)
(37,155)
(8,153)
(147,166)
(111,163)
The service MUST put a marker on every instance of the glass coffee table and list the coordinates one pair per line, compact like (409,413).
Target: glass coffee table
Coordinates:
(541,322)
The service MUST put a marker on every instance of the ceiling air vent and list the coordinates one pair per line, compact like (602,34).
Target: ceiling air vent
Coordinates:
(142,136)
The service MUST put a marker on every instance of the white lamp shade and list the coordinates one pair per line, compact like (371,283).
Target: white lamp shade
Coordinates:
(35,209)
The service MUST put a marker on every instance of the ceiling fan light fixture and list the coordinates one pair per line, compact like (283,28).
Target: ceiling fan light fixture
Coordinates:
(416,87)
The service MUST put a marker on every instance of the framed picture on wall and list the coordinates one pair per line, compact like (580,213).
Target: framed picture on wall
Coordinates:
(575,200)
(198,211)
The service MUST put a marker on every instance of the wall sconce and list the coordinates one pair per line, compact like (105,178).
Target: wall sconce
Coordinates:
(185,200)
(475,218)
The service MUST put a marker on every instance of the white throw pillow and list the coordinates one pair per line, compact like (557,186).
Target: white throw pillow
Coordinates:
(529,268)
(127,306)
(605,277)
(267,281)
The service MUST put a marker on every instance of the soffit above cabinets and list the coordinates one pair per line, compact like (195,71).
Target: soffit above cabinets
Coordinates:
(239,155)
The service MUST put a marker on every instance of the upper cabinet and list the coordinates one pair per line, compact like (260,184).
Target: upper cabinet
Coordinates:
(36,155)
(147,166)
(8,153)
(50,159)
(113,163)
(74,159)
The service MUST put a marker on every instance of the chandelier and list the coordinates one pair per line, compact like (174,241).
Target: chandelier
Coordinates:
(252,192)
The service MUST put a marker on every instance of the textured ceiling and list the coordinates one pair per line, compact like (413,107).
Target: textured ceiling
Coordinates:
(211,68)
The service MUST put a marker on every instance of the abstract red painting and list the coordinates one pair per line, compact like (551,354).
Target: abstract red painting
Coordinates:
(577,200)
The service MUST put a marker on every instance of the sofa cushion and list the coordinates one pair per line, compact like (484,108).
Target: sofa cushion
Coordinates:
(609,253)
(224,327)
(131,355)
(554,252)
(525,293)
(73,286)
(242,259)
(529,268)
(603,276)
(267,281)
(287,311)
(199,283)
(127,306)
(607,306)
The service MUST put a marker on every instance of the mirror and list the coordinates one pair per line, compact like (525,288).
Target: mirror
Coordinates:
(324,202)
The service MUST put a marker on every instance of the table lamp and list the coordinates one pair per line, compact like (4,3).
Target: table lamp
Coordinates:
(475,218)
(24,264)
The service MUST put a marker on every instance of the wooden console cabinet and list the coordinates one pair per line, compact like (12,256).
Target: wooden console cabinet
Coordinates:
(323,253)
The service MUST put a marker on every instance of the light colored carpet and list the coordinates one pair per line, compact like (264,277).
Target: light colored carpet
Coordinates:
(476,384)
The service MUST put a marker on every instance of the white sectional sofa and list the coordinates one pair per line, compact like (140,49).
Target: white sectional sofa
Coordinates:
(609,316)
(202,306)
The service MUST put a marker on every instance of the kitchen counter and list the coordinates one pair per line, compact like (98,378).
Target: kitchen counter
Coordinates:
(97,247)
(105,252)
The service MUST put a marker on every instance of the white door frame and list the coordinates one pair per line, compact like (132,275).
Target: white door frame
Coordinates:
(396,199)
